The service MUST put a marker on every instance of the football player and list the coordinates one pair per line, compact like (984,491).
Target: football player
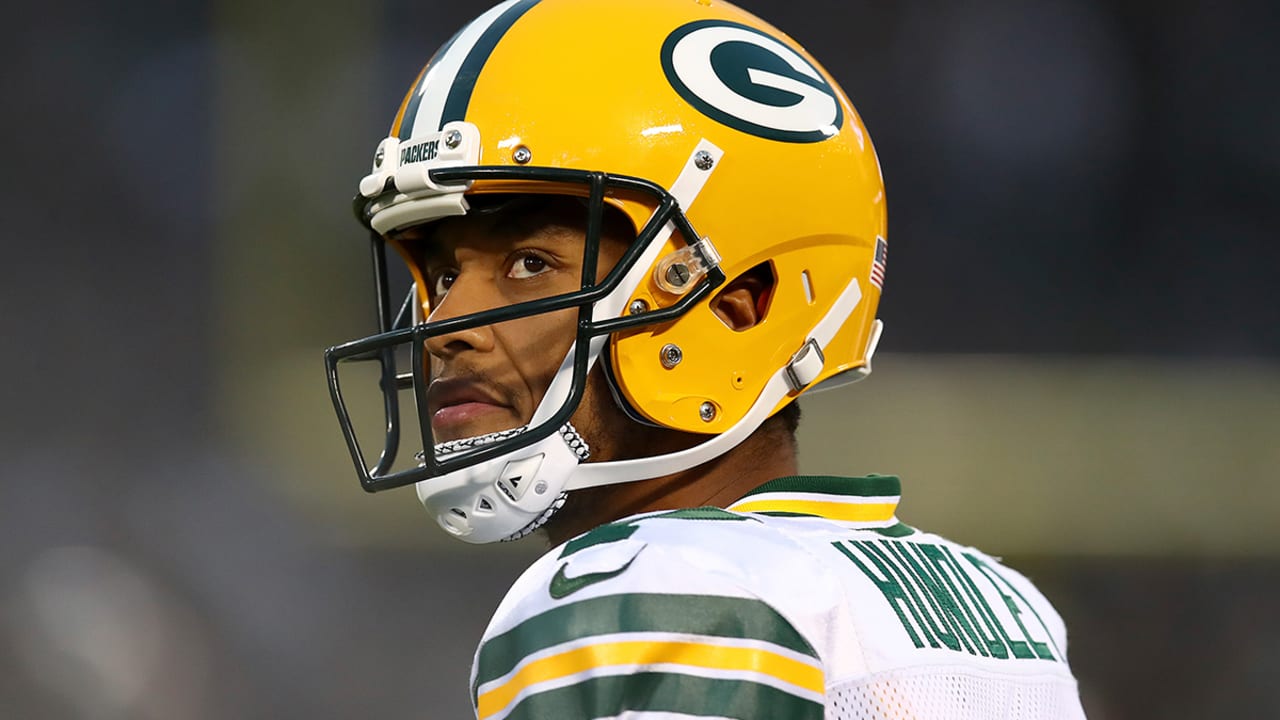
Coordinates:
(635,233)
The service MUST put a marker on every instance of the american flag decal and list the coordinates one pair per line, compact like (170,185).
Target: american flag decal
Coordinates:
(877,263)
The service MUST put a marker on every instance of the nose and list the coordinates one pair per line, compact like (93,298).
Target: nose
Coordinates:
(467,295)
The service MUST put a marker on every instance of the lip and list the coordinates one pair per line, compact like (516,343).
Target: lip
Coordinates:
(453,401)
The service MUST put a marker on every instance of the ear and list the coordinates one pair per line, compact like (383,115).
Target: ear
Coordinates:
(741,304)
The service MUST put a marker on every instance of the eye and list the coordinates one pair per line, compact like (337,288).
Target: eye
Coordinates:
(527,265)
(444,281)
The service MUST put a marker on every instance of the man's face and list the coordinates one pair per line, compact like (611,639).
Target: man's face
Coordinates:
(493,377)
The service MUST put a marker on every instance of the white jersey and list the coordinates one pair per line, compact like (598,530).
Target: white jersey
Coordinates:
(805,599)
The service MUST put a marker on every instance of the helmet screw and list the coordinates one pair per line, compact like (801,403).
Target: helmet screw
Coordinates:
(707,412)
(452,139)
(637,306)
(522,155)
(540,487)
(703,160)
(671,355)
(678,274)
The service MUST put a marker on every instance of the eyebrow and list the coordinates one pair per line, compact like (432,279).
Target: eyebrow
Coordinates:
(513,218)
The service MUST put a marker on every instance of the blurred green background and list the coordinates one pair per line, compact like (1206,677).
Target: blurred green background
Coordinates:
(1080,371)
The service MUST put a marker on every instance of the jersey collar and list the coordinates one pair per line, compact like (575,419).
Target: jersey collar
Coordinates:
(858,502)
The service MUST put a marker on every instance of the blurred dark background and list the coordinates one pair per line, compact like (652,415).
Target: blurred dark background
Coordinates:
(1081,370)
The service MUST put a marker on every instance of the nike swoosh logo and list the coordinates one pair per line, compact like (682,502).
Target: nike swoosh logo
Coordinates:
(563,586)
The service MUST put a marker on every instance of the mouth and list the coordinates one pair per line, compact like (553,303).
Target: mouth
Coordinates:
(457,406)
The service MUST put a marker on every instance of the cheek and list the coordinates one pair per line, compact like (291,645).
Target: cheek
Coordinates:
(536,346)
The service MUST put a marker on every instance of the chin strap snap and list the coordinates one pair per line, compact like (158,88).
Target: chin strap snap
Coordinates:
(805,366)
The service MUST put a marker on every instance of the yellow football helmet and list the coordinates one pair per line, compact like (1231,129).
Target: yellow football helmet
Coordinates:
(730,150)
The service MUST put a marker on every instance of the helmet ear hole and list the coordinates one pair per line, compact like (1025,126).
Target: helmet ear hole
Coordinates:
(744,301)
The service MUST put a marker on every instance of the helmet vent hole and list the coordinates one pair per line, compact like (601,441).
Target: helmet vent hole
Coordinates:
(458,512)
(808,286)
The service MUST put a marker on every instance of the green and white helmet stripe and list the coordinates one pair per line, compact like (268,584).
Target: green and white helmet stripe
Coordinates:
(456,67)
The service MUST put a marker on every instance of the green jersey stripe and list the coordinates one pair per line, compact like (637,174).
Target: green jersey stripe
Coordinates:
(716,616)
(897,530)
(665,692)
(869,486)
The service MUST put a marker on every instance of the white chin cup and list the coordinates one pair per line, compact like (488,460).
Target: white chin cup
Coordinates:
(507,497)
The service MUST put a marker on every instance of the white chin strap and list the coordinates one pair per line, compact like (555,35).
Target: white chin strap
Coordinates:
(507,497)
(567,433)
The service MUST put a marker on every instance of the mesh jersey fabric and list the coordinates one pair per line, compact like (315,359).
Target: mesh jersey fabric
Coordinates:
(805,599)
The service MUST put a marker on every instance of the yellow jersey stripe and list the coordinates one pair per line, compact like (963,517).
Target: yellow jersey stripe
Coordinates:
(636,652)
(840,510)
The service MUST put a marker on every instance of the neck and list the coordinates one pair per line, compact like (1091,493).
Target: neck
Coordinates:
(767,454)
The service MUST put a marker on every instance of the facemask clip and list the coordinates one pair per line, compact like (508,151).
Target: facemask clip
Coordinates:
(678,272)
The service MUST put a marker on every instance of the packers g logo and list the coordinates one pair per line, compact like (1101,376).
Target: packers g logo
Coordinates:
(750,81)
